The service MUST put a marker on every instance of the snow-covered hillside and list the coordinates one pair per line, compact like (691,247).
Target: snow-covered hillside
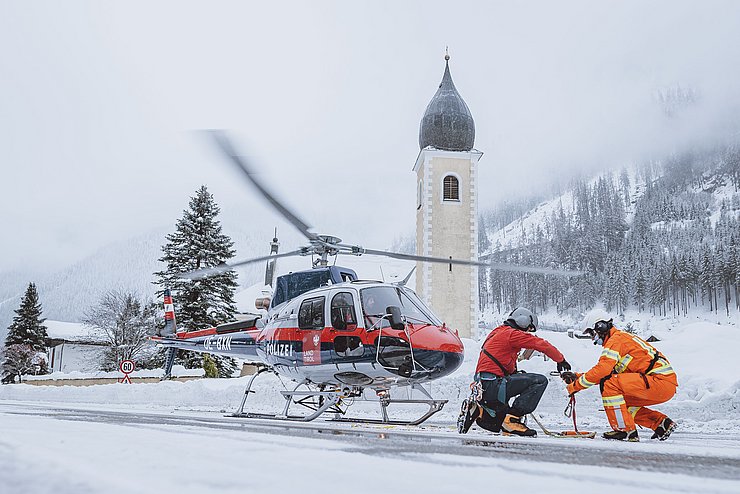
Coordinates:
(659,237)
(512,235)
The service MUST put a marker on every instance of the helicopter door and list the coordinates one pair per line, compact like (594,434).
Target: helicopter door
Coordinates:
(347,342)
(310,325)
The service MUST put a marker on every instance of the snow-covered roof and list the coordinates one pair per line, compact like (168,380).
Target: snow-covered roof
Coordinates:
(71,331)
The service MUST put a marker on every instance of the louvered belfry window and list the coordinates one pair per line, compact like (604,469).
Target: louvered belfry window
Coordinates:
(451,188)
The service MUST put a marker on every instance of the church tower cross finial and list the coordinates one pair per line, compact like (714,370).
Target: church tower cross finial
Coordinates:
(447,53)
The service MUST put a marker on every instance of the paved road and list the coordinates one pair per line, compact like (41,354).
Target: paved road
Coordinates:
(716,458)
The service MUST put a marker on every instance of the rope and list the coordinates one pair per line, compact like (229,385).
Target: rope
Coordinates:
(570,411)
(573,404)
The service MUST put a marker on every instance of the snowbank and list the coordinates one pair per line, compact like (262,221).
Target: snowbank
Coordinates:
(177,371)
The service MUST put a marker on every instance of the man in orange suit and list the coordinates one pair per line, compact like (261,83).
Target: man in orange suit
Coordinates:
(631,374)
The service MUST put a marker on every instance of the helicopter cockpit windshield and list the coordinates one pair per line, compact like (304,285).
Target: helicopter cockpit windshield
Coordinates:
(376,300)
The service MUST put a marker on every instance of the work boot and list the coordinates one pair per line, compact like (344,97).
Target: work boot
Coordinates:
(664,429)
(469,411)
(630,436)
(513,426)
(491,424)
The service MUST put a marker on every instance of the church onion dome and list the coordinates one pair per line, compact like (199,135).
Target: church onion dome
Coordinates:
(447,123)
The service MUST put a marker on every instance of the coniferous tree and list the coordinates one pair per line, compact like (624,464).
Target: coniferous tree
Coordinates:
(199,243)
(28,329)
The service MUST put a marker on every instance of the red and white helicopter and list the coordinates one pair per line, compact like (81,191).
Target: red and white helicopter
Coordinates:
(333,334)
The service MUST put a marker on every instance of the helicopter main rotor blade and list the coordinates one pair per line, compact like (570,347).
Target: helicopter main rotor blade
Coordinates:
(202,273)
(226,147)
(501,266)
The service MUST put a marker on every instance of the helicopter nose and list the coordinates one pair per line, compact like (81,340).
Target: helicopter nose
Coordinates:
(438,350)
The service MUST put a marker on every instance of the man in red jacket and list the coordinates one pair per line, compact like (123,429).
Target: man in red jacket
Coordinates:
(497,373)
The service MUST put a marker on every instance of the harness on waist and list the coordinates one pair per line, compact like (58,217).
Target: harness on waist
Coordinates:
(654,361)
(487,376)
(495,361)
(656,356)
(651,366)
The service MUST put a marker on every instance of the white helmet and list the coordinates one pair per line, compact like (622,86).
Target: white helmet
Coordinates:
(597,324)
(523,319)
(591,320)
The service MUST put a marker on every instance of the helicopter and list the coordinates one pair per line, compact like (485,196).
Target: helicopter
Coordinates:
(328,331)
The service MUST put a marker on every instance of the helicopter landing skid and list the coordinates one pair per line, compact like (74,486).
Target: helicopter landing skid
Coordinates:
(317,401)
(331,401)
(434,407)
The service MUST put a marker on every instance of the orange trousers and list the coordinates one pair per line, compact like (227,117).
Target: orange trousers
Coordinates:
(625,397)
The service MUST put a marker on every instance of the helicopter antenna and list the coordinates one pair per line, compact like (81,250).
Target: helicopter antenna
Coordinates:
(382,275)
(406,279)
(272,263)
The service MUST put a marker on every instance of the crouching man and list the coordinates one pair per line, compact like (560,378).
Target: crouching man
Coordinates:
(497,378)
(631,374)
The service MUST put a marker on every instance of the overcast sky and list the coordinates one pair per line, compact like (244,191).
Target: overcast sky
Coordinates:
(101,101)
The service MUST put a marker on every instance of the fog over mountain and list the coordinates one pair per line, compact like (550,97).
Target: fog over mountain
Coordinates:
(97,132)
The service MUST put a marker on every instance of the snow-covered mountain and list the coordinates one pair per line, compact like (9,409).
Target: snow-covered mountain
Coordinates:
(128,265)
(659,236)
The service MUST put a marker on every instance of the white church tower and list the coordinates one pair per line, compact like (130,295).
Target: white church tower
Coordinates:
(447,208)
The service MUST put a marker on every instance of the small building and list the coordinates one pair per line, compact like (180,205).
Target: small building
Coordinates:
(72,347)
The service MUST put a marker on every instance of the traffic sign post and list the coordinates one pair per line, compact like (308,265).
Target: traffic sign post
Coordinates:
(127,367)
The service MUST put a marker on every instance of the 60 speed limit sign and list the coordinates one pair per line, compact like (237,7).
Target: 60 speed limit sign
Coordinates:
(127,367)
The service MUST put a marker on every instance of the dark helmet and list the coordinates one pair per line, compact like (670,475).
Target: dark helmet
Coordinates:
(523,318)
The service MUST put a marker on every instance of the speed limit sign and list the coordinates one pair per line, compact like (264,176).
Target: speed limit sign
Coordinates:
(127,367)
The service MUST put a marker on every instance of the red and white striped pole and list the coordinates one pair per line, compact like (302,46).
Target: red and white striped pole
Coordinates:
(170,325)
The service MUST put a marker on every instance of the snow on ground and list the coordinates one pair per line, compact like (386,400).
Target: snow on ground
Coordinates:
(46,455)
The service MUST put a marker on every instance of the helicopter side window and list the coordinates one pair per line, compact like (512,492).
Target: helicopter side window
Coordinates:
(343,312)
(375,300)
(311,314)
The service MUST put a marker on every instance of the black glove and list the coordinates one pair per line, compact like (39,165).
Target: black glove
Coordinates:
(568,376)
(563,366)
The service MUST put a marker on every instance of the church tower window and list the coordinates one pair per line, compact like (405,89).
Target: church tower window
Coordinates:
(451,188)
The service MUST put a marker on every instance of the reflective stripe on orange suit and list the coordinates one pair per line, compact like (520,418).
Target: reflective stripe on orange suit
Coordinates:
(625,394)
